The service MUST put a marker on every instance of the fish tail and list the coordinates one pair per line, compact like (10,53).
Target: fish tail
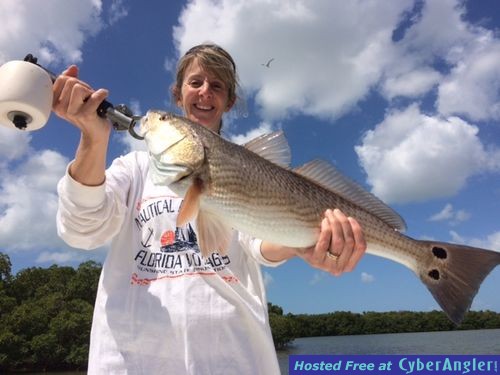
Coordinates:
(455,274)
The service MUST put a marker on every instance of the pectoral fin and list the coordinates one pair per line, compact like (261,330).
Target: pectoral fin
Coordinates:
(213,234)
(191,204)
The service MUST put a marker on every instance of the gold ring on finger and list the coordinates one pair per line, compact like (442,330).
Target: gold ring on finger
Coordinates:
(330,255)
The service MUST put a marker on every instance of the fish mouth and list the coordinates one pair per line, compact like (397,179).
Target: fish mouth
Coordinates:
(142,132)
(142,121)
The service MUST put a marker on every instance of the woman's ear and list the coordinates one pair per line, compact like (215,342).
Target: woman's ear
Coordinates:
(177,97)
(230,104)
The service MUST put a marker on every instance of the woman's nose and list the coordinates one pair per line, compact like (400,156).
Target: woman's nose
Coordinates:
(205,88)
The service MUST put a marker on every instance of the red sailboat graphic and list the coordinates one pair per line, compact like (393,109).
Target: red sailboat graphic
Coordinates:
(183,239)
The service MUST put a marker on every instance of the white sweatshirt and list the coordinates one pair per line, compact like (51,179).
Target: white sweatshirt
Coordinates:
(161,308)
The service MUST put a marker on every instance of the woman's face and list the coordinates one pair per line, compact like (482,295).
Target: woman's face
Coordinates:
(204,97)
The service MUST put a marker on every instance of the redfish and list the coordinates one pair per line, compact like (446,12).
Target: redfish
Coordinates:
(252,189)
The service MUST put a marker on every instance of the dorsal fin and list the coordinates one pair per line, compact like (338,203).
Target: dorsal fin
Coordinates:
(330,178)
(273,147)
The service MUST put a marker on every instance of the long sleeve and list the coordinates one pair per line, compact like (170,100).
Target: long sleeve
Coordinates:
(252,246)
(89,216)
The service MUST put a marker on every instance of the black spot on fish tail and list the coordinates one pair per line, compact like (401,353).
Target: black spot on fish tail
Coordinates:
(439,252)
(454,273)
(434,274)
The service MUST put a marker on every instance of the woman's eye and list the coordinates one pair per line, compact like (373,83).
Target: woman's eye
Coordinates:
(217,86)
(195,83)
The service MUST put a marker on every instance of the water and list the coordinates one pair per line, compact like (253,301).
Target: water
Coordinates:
(453,342)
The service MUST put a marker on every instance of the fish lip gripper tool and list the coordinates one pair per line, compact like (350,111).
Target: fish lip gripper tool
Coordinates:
(26,99)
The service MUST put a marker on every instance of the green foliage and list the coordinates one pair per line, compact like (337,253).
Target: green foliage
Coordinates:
(45,316)
(13,349)
(284,328)
(5,268)
(83,285)
(7,303)
(274,309)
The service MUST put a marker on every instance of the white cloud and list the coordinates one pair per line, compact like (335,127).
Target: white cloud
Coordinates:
(411,156)
(268,279)
(470,53)
(28,202)
(492,241)
(367,278)
(327,54)
(439,30)
(317,277)
(473,87)
(71,256)
(117,11)
(445,214)
(461,215)
(55,257)
(131,143)
(449,214)
(411,84)
(52,30)
(135,107)
(170,64)
(240,139)
(13,144)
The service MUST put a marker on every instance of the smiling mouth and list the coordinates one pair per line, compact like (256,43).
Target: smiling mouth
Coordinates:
(203,107)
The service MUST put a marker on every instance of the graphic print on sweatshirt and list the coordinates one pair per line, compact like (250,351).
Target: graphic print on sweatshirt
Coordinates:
(165,251)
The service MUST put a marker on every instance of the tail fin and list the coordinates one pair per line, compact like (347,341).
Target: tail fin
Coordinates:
(455,275)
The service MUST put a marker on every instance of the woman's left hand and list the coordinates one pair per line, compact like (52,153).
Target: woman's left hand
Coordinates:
(340,246)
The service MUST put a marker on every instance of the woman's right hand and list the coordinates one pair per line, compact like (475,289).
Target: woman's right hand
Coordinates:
(76,102)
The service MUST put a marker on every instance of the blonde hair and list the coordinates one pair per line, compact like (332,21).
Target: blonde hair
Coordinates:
(213,59)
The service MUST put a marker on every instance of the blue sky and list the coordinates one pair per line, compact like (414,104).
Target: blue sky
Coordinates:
(403,97)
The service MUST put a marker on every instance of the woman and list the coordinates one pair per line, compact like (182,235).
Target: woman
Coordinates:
(162,308)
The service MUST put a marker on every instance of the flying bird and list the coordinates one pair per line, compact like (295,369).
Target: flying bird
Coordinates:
(267,65)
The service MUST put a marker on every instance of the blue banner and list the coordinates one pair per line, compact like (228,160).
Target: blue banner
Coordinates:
(394,364)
